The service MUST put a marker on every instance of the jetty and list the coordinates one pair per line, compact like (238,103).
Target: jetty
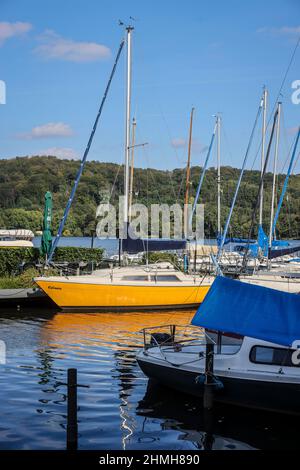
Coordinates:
(20,298)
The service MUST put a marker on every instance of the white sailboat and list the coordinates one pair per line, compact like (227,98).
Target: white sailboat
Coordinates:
(16,238)
(252,361)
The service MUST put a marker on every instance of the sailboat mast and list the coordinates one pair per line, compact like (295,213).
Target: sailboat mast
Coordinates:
(131,168)
(188,172)
(219,172)
(286,181)
(263,140)
(275,173)
(129,30)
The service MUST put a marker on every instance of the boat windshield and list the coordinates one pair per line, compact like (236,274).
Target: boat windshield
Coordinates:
(225,343)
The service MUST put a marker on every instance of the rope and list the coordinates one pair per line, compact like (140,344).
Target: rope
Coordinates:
(259,190)
(239,183)
(114,183)
(278,95)
(84,158)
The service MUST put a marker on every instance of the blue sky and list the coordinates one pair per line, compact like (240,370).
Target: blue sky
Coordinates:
(216,56)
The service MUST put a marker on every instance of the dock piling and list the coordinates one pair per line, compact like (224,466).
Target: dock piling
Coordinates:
(208,396)
(72,427)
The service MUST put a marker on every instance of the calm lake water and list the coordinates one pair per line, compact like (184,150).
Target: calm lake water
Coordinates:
(120,409)
(110,245)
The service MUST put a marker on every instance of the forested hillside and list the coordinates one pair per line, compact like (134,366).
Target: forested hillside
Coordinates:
(24,181)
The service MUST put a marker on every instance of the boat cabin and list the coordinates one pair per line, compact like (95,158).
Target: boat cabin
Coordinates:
(16,238)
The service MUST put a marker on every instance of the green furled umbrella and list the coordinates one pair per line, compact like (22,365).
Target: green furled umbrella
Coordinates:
(46,242)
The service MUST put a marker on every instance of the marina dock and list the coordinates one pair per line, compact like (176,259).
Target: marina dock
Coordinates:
(24,298)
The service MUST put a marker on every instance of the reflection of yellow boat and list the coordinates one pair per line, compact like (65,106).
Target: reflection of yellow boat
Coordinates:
(134,288)
(116,331)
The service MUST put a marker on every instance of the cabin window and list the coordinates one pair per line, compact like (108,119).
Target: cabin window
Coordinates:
(158,278)
(135,278)
(272,356)
(165,278)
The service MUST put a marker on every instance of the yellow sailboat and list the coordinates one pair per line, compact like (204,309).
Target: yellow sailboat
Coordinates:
(158,286)
(126,288)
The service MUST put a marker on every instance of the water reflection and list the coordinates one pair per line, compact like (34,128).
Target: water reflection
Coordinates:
(120,409)
(118,330)
(228,427)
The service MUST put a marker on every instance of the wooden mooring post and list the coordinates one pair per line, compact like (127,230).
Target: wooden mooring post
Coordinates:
(208,396)
(72,426)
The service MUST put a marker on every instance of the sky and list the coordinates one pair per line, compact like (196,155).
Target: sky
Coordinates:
(56,57)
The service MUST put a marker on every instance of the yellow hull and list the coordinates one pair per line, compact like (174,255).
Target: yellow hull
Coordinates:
(76,296)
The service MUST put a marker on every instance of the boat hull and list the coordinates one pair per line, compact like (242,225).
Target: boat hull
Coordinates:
(72,296)
(270,396)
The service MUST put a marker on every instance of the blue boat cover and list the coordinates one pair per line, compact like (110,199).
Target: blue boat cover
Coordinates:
(283,251)
(233,240)
(282,243)
(249,310)
(137,245)
(262,241)
(129,245)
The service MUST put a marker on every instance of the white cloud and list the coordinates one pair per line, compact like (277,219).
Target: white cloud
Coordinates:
(9,30)
(178,143)
(293,130)
(197,147)
(283,30)
(56,47)
(60,152)
(290,30)
(52,129)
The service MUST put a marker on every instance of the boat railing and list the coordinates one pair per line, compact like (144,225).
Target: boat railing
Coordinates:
(184,338)
(171,335)
(170,339)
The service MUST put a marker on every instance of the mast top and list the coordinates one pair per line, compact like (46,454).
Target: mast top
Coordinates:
(128,27)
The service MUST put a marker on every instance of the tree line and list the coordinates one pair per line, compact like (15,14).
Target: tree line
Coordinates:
(24,181)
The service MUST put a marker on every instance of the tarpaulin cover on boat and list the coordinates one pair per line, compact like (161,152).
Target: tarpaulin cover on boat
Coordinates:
(283,251)
(138,245)
(234,240)
(249,310)
(282,243)
(262,241)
